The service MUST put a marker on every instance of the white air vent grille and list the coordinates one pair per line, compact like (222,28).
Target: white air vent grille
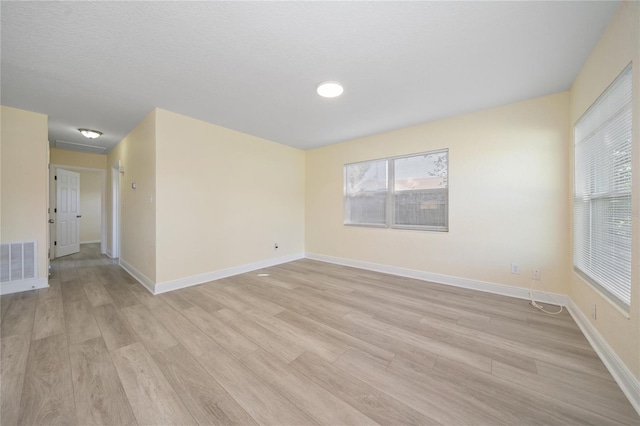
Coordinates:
(17,261)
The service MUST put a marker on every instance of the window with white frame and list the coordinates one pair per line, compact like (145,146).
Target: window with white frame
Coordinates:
(602,192)
(409,192)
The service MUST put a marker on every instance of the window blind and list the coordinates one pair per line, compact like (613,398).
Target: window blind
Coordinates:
(602,191)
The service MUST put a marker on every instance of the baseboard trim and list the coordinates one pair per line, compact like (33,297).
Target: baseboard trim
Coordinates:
(139,276)
(90,242)
(109,253)
(223,273)
(485,286)
(11,287)
(629,384)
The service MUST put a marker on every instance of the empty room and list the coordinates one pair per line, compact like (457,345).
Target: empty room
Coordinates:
(320,213)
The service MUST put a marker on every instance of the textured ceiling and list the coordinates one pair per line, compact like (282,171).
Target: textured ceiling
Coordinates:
(254,66)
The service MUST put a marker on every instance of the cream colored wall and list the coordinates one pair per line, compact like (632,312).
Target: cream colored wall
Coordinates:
(77,159)
(25,155)
(508,193)
(90,206)
(224,198)
(137,153)
(619,45)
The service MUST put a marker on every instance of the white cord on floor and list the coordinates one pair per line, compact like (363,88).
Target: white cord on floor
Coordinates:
(540,307)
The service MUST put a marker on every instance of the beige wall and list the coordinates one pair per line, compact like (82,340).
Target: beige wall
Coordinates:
(90,206)
(25,154)
(77,159)
(508,193)
(137,153)
(619,45)
(224,198)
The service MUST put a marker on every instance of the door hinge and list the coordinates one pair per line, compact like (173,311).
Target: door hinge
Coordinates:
(55,243)
(55,178)
(55,210)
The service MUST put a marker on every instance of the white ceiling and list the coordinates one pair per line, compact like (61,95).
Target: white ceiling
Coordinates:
(254,66)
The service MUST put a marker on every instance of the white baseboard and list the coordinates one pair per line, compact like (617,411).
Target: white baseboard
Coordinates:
(11,287)
(139,276)
(223,273)
(109,253)
(485,286)
(629,384)
(90,242)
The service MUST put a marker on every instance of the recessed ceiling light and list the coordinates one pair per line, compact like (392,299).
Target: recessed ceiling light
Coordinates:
(90,134)
(329,89)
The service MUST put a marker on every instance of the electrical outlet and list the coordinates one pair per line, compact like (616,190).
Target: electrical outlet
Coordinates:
(275,246)
(515,268)
(535,274)
(593,310)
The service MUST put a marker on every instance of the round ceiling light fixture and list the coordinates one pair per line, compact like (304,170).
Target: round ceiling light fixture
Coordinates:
(329,89)
(90,134)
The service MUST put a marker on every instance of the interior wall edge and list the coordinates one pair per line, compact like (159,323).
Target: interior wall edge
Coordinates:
(628,383)
(468,283)
(177,284)
(139,276)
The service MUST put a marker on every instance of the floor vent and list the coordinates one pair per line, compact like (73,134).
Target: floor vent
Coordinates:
(17,261)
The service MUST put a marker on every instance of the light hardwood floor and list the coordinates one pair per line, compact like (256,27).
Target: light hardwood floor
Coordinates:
(312,343)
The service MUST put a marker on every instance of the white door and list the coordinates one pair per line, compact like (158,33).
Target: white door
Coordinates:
(67,212)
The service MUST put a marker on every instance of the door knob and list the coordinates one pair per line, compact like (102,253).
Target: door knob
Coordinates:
(50,220)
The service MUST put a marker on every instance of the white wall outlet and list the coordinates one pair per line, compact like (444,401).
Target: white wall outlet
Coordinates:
(593,310)
(515,268)
(535,274)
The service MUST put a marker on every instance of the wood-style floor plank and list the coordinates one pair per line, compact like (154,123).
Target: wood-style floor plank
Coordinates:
(314,344)
(583,398)
(14,352)
(183,330)
(311,343)
(121,295)
(370,401)
(514,399)
(4,304)
(203,396)
(264,405)
(231,340)
(272,343)
(152,334)
(96,293)
(99,396)
(18,321)
(49,319)
(152,398)
(317,402)
(47,394)
(79,321)
(115,329)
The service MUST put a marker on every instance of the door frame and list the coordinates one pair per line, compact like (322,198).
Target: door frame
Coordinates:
(116,170)
(103,204)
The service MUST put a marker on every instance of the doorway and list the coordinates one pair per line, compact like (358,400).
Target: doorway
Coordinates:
(91,226)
